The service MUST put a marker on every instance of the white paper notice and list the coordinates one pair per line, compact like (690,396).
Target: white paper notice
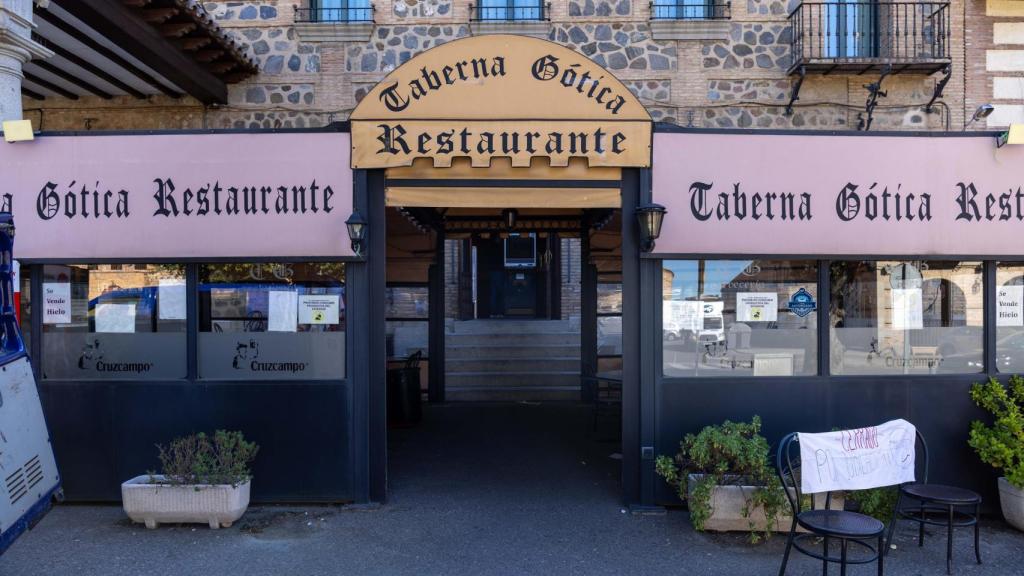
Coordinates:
(118,318)
(56,303)
(284,310)
(757,306)
(172,299)
(858,459)
(318,309)
(683,315)
(907,309)
(1010,307)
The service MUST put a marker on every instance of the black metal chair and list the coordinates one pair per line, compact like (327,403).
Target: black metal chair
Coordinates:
(846,527)
(934,499)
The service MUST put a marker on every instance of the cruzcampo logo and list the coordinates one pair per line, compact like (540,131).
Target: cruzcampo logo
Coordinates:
(802,303)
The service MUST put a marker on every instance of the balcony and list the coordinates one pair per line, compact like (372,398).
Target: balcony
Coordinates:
(860,37)
(690,10)
(510,11)
(690,19)
(349,24)
(521,17)
(335,15)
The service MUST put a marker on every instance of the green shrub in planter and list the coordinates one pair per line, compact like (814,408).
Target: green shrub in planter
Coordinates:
(199,459)
(730,454)
(1001,444)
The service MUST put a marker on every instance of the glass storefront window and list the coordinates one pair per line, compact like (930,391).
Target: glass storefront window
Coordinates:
(103,322)
(739,317)
(906,317)
(407,309)
(272,321)
(1010,317)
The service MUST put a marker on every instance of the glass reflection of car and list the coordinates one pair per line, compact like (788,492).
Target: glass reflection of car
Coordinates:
(966,354)
(144,299)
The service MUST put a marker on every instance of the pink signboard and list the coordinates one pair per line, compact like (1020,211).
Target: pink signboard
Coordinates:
(179,195)
(838,195)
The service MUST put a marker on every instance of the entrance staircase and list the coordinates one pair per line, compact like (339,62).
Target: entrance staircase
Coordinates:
(512,360)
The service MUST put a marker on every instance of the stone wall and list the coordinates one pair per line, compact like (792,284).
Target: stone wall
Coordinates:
(995,62)
(738,81)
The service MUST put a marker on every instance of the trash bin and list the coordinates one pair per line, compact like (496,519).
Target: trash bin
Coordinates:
(404,408)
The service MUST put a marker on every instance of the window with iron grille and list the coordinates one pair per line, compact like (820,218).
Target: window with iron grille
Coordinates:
(510,10)
(690,10)
(336,11)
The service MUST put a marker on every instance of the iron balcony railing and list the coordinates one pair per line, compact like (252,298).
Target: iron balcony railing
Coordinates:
(864,34)
(349,14)
(690,10)
(511,11)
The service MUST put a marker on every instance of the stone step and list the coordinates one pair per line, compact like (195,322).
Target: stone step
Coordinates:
(514,339)
(530,394)
(471,351)
(500,380)
(499,364)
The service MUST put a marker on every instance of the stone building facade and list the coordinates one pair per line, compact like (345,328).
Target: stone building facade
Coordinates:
(995,59)
(728,73)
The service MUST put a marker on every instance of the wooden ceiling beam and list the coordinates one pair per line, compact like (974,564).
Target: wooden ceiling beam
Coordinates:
(123,26)
(176,29)
(72,79)
(32,94)
(193,43)
(208,55)
(49,85)
(87,66)
(102,50)
(159,15)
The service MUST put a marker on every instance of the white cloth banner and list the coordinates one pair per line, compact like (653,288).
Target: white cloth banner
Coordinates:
(858,459)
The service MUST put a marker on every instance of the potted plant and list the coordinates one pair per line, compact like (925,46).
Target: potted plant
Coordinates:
(724,475)
(1002,443)
(203,480)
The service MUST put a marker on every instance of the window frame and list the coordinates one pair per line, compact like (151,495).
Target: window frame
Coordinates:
(509,8)
(691,10)
(345,9)
(191,267)
(989,288)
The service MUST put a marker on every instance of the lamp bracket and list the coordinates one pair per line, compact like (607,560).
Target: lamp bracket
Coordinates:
(947,73)
(874,93)
(795,94)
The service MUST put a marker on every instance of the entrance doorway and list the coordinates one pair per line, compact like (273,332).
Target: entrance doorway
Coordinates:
(487,181)
(514,276)
(518,322)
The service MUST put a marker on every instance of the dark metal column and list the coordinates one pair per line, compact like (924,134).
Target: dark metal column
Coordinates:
(631,356)
(367,360)
(588,314)
(435,331)
(650,337)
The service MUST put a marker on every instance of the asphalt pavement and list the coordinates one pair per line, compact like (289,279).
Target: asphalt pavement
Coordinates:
(477,489)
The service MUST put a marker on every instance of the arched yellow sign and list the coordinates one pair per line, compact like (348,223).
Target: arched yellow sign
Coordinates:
(500,96)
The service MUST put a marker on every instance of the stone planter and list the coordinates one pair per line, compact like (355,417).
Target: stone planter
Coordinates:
(217,505)
(728,501)
(1011,500)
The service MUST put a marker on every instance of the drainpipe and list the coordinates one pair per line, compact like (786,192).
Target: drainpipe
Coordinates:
(16,48)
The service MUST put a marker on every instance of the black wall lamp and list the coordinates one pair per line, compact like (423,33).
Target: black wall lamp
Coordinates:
(650,217)
(356,225)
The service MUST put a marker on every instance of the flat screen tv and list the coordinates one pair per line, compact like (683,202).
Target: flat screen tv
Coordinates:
(520,251)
